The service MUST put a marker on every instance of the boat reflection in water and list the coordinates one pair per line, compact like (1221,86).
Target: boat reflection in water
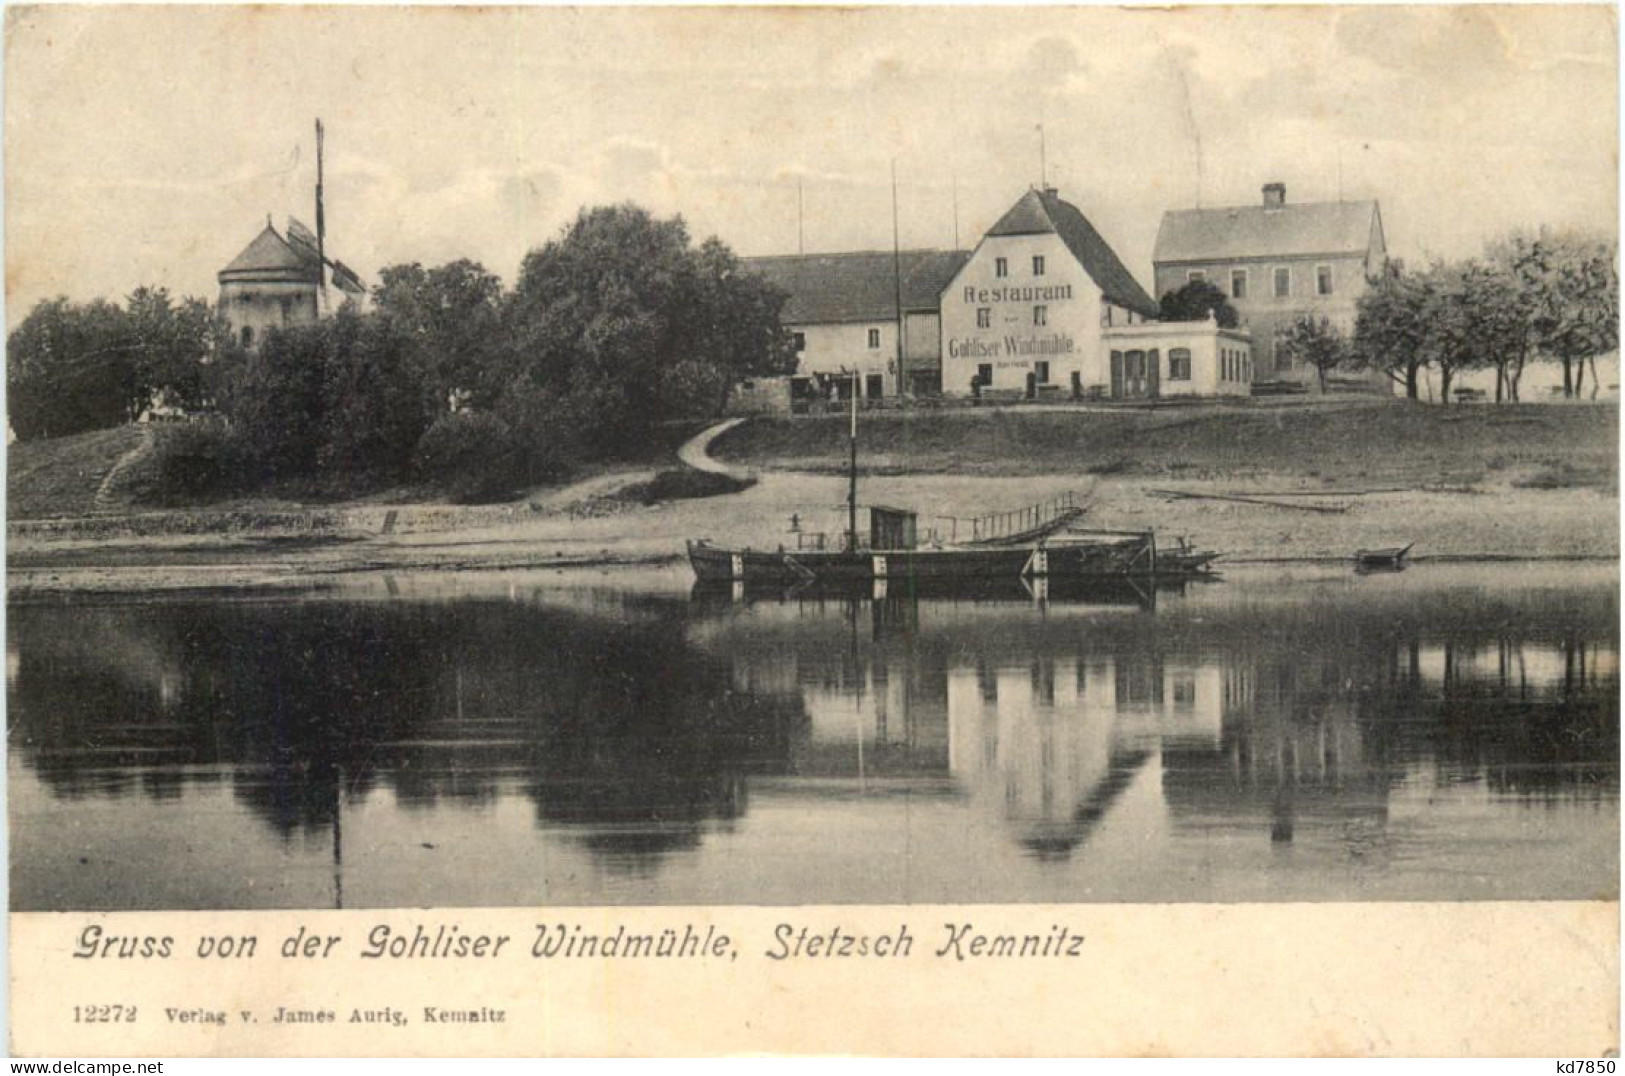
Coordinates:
(1435,735)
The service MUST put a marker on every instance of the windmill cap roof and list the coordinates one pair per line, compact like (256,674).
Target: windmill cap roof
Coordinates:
(269,257)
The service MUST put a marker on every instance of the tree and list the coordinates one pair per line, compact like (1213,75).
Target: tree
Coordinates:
(1391,329)
(1452,341)
(1313,340)
(607,320)
(450,320)
(373,407)
(272,399)
(173,343)
(1502,313)
(69,368)
(75,367)
(1573,287)
(335,402)
(1195,301)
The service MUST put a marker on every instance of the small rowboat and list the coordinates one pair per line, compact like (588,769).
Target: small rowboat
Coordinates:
(1381,560)
(1186,559)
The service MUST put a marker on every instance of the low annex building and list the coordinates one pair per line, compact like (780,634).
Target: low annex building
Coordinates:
(1042,307)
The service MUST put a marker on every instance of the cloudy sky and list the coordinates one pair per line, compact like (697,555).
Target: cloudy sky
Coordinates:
(147,145)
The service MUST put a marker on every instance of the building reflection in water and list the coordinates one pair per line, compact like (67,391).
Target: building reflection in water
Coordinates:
(638,732)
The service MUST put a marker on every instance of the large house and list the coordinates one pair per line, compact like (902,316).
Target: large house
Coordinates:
(1276,261)
(1041,307)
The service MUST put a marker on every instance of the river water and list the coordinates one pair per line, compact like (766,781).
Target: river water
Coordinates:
(1449,732)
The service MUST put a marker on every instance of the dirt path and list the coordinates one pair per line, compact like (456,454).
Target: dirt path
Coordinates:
(107,491)
(696,451)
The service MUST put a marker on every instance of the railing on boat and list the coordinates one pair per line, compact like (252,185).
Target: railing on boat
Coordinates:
(995,526)
(1034,521)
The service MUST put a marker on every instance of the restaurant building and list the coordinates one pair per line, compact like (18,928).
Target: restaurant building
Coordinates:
(1045,307)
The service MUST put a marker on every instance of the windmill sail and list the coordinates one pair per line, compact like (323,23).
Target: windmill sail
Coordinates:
(302,238)
(346,280)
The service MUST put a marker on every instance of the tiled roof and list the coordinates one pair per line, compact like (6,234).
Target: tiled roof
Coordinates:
(1040,212)
(270,257)
(831,288)
(1196,235)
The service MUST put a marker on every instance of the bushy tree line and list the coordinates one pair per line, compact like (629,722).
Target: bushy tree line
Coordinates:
(619,324)
(1528,298)
(73,367)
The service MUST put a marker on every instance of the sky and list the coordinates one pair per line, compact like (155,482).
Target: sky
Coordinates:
(148,145)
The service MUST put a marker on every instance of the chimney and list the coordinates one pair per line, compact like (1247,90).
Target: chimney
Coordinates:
(1274,195)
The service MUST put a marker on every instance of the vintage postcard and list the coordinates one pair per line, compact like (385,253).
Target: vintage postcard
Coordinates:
(909,530)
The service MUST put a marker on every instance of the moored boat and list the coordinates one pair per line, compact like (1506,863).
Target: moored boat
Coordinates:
(1390,559)
(1081,555)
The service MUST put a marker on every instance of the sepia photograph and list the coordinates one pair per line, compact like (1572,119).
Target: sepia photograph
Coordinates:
(623,460)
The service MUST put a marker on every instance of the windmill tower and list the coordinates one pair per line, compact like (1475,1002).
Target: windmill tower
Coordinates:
(281,280)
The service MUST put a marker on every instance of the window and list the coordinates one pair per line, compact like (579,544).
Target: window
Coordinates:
(1238,283)
(1001,267)
(1283,282)
(874,338)
(248,336)
(1179,364)
(984,373)
(1038,265)
(1323,280)
(984,317)
(1040,315)
(1041,372)
(798,341)
(1195,275)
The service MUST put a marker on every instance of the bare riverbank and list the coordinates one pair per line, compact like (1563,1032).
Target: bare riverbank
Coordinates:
(591,525)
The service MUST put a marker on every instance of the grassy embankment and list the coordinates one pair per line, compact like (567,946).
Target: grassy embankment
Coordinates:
(61,476)
(1358,443)
(1466,482)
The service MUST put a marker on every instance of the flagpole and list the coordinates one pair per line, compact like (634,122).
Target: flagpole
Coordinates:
(897,280)
(321,222)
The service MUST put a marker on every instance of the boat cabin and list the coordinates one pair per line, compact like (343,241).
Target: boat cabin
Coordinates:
(891,528)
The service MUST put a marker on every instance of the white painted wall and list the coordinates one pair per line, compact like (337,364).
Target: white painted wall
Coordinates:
(1071,336)
(832,348)
(1206,343)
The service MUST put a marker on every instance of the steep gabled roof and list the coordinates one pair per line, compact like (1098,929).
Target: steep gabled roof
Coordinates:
(860,286)
(1256,231)
(1043,212)
(270,257)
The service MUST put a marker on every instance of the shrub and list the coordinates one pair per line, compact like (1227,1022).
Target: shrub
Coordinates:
(189,462)
(685,484)
(472,455)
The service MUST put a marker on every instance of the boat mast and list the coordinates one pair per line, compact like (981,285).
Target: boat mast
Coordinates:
(852,483)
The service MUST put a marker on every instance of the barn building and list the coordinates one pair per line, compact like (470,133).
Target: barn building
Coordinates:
(842,317)
(1276,261)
